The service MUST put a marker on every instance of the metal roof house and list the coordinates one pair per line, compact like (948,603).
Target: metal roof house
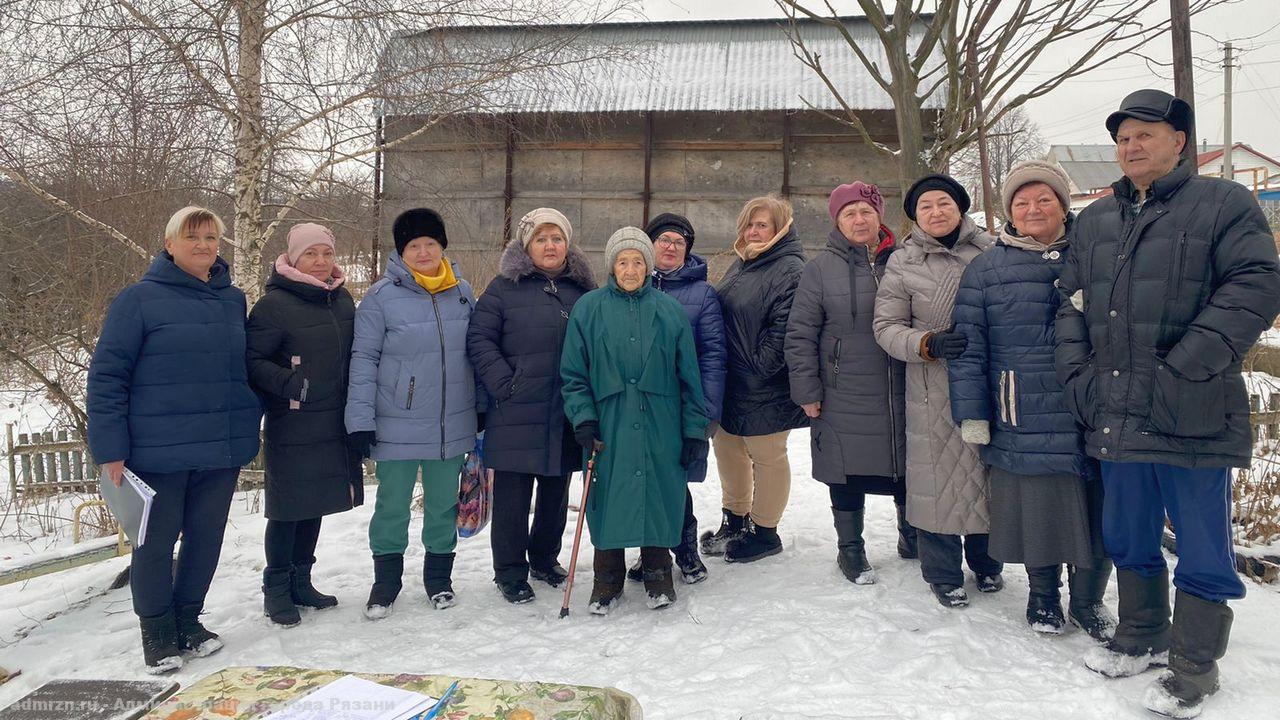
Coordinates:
(693,117)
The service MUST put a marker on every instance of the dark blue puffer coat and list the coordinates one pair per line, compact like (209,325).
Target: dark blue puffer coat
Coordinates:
(1006,306)
(168,387)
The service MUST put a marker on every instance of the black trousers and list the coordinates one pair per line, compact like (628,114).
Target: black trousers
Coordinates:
(515,545)
(291,542)
(940,557)
(195,503)
(852,496)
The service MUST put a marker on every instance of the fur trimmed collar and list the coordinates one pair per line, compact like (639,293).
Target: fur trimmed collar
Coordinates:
(516,263)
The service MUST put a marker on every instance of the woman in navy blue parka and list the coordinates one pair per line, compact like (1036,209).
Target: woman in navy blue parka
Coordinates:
(1046,498)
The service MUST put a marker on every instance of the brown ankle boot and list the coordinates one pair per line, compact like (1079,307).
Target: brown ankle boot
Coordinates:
(656,564)
(610,574)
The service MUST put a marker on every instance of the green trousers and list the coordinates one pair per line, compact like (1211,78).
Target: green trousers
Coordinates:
(389,528)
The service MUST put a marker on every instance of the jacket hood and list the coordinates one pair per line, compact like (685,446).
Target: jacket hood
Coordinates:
(516,263)
(969,233)
(837,242)
(788,244)
(693,270)
(164,270)
(290,278)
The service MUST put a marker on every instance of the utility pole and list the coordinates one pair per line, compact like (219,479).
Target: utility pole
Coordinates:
(1228,171)
(1183,82)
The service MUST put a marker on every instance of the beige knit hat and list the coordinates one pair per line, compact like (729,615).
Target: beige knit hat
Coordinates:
(629,238)
(542,216)
(1036,171)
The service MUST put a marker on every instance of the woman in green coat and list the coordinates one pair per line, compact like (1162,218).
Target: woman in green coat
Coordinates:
(631,384)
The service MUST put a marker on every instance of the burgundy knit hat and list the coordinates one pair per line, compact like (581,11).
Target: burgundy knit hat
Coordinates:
(858,190)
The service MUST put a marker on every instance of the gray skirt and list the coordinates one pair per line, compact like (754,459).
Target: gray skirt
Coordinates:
(1040,520)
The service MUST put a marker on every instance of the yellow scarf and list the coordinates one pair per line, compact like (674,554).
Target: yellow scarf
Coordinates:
(436,283)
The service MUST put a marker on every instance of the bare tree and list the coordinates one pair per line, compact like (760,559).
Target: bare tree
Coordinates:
(1012,139)
(963,51)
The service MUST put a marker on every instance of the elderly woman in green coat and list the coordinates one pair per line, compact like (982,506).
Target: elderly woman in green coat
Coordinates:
(631,384)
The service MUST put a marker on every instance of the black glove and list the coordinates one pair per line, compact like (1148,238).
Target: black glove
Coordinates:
(692,451)
(479,423)
(947,345)
(587,434)
(361,442)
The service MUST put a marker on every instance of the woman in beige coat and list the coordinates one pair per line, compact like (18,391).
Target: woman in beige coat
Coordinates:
(946,481)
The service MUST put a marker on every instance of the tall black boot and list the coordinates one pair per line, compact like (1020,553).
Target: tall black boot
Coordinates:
(1085,609)
(304,593)
(731,528)
(160,643)
(1044,602)
(277,603)
(692,569)
(437,577)
(906,536)
(1201,629)
(387,573)
(1143,636)
(851,549)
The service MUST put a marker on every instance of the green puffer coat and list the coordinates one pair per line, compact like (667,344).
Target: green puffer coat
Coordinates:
(629,363)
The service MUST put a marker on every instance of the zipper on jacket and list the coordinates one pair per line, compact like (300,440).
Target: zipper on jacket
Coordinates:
(835,362)
(893,422)
(1002,397)
(1013,398)
(413,379)
(1179,261)
(444,374)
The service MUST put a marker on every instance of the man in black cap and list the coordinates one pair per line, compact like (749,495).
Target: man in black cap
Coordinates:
(1170,282)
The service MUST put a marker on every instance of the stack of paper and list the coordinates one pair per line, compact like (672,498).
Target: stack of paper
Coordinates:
(130,503)
(351,698)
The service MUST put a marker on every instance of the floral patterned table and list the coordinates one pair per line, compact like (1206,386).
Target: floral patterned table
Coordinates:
(247,693)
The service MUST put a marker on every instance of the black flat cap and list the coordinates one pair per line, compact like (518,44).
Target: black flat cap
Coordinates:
(1152,106)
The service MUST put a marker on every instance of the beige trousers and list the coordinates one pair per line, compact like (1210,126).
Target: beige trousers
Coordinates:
(755,475)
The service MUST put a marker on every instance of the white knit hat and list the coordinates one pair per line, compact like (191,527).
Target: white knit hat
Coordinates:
(629,238)
(542,216)
(1033,171)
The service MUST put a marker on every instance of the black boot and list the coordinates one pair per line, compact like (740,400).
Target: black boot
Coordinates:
(516,592)
(658,584)
(1044,602)
(304,593)
(1201,629)
(950,596)
(692,569)
(553,575)
(610,575)
(194,638)
(437,577)
(757,543)
(851,549)
(387,573)
(160,643)
(1143,636)
(732,527)
(906,536)
(635,573)
(1085,608)
(276,601)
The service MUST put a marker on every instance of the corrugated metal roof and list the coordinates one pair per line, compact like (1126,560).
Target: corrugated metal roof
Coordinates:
(732,65)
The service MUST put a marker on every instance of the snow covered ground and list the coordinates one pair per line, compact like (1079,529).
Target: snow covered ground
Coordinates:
(786,637)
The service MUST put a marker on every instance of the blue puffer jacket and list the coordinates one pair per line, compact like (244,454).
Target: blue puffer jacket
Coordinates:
(168,389)
(411,381)
(1006,306)
(689,285)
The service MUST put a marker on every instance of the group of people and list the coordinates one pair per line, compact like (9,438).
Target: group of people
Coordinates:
(1044,395)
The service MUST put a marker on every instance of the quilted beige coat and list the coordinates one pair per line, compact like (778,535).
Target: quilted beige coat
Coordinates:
(947,488)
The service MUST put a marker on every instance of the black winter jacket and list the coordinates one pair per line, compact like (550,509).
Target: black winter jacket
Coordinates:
(1160,305)
(310,472)
(514,342)
(756,300)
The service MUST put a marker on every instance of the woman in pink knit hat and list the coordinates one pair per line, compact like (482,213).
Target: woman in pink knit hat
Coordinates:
(298,346)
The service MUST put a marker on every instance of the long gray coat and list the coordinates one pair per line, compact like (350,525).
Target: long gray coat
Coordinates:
(833,358)
(946,481)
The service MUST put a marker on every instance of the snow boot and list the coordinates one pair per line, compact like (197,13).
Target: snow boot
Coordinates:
(194,638)
(1085,609)
(692,569)
(1142,638)
(160,643)
(657,577)
(1044,602)
(610,575)
(950,596)
(276,601)
(437,574)
(906,536)
(304,594)
(554,575)
(851,549)
(990,583)
(758,542)
(387,573)
(1201,629)
(732,527)
(516,592)
(635,573)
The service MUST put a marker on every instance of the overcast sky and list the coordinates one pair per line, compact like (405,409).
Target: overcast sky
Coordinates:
(1253,24)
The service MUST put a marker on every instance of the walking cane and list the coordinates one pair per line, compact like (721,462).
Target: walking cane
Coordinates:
(577,534)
